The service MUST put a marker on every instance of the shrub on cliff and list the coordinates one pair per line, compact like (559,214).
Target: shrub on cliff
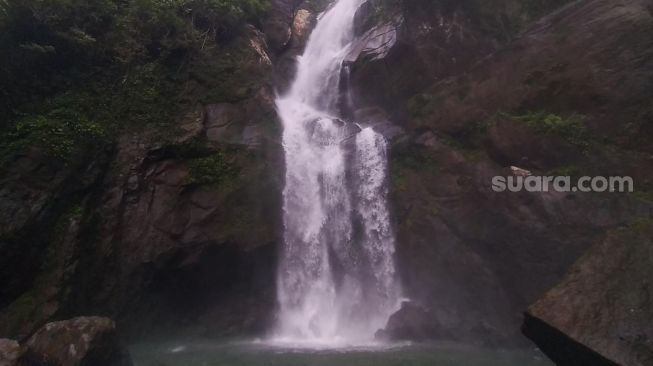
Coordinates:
(114,63)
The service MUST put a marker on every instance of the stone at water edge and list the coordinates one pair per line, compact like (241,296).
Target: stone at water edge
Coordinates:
(82,341)
(412,322)
(9,352)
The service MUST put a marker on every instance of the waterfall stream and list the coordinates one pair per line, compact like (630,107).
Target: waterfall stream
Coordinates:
(336,276)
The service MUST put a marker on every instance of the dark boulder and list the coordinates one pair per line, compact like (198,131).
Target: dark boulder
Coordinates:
(83,341)
(411,322)
(600,314)
(10,351)
(562,349)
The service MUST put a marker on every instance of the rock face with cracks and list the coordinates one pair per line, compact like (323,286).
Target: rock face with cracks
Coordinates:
(82,341)
(550,100)
(600,313)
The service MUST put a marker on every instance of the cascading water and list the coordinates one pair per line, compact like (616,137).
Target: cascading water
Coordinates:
(336,280)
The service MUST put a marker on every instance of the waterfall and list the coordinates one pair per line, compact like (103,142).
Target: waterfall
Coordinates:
(336,276)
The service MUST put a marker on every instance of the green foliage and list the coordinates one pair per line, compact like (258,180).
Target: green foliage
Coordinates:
(423,106)
(410,159)
(233,9)
(23,310)
(62,132)
(565,171)
(217,169)
(142,98)
(572,128)
(315,6)
(644,194)
(233,77)
(414,158)
(384,10)
(73,73)
(643,224)
(399,180)
(163,28)
(85,120)
(48,46)
(502,19)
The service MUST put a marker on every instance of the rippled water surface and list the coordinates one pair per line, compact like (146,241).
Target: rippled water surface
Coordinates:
(265,354)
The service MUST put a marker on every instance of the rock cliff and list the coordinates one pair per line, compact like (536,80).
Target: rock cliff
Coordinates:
(601,312)
(171,226)
(479,105)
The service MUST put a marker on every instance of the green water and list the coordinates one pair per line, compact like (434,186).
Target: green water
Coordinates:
(260,354)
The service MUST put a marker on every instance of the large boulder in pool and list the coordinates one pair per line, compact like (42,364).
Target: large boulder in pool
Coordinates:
(411,322)
(9,352)
(600,313)
(83,341)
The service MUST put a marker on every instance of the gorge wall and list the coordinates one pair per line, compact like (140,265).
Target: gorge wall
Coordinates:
(178,227)
(473,258)
(172,224)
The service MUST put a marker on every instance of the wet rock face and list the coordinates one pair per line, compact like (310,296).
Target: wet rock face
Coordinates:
(30,188)
(168,234)
(411,322)
(431,39)
(376,43)
(39,202)
(474,258)
(289,22)
(187,231)
(414,44)
(602,309)
(277,26)
(83,341)
(10,351)
(229,123)
(301,25)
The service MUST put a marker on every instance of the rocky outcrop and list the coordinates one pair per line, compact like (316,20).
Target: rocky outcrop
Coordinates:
(376,43)
(303,21)
(42,200)
(10,351)
(411,322)
(182,231)
(602,309)
(229,123)
(82,341)
(548,103)
(406,46)
(166,233)
(278,25)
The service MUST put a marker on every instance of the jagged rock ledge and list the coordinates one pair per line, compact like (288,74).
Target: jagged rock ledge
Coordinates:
(80,341)
(561,348)
(600,314)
